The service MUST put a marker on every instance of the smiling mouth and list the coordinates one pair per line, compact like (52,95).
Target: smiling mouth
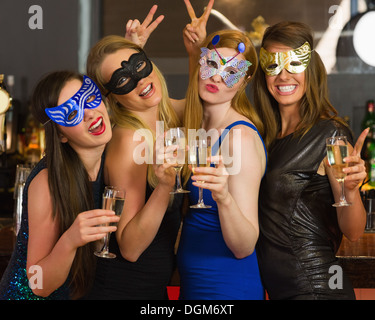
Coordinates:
(286,89)
(147,90)
(97,127)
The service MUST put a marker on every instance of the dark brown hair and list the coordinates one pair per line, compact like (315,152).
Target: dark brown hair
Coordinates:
(315,104)
(68,180)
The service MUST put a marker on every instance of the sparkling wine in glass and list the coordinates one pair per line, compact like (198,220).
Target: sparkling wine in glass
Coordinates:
(113,199)
(199,156)
(337,150)
(175,141)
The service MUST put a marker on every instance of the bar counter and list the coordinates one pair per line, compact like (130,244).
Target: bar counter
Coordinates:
(357,258)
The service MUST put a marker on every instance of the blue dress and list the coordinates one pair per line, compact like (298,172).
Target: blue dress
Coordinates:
(207,267)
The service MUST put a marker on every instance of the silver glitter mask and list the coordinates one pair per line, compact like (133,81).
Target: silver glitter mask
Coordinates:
(229,68)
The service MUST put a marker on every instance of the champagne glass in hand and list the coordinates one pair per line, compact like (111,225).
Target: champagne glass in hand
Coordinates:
(113,199)
(199,156)
(337,150)
(175,142)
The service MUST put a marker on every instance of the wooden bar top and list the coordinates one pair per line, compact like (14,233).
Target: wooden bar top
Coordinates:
(358,260)
(364,248)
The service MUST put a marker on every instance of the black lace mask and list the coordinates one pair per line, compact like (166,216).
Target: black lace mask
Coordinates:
(125,79)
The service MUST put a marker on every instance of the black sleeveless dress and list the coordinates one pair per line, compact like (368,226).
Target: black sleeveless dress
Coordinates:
(148,277)
(299,231)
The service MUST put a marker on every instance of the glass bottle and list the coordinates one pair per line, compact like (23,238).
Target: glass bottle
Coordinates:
(368,122)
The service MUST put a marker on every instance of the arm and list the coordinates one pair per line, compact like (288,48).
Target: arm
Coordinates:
(140,220)
(55,255)
(352,219)
(237,195)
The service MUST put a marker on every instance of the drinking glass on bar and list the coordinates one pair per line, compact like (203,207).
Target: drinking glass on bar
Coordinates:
(113,199)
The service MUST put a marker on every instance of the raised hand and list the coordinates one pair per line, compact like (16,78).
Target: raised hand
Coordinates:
(139,33)
(356,171)
(195,32)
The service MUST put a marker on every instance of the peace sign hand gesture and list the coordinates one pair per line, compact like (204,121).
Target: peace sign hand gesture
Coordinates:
(356,171)
(194,32)
(139,33)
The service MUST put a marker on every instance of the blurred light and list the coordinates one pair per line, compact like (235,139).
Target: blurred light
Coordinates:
(363,38)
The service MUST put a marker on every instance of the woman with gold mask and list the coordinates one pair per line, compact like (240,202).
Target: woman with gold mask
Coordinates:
(300,230)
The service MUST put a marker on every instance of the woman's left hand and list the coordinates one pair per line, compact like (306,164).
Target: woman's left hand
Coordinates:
(356,172)
(215,179)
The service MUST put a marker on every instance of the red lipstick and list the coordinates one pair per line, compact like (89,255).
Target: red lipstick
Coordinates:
(212,88)
(97,127)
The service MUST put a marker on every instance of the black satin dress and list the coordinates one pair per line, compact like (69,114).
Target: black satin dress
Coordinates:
(299,232)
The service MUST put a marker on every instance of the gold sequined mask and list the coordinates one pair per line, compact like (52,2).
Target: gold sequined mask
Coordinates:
(295,61)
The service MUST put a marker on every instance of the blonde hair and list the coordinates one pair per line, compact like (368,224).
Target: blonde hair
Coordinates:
(120,115)
(193,115)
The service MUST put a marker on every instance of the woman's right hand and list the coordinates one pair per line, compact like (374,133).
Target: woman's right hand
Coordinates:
(163,168)
(91,226)
(139,33)
(195,32)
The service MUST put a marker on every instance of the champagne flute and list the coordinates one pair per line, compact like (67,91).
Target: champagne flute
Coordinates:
(113,199)
(337,150)
(175,139)
(199,156)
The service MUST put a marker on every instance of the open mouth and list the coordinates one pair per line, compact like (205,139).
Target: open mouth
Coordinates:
(286,89)
(97,127)
(147,90)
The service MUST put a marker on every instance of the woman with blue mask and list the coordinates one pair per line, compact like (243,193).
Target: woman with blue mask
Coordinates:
(61,217)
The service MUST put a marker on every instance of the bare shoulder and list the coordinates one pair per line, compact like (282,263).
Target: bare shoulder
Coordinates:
(39,188)
(179,107)
(245,143)
(247,136)
(125,157)
(123,143)
(39,200)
